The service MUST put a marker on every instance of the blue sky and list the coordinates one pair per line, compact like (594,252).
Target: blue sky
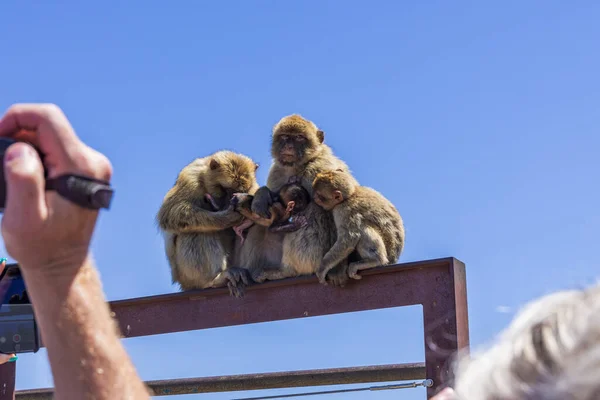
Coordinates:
(479,120)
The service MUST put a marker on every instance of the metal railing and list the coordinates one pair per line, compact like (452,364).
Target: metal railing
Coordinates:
(438,285)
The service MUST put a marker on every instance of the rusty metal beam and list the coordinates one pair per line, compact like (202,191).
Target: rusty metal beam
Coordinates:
(438,285)
(271,380)
(445,320)
(383,287)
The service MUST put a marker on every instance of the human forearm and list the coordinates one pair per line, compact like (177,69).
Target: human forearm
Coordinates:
(84,349)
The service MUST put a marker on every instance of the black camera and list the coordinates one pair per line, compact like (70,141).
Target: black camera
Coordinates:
(81,190)
(18,329)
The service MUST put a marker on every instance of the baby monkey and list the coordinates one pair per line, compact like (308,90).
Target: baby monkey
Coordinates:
(291,199)
(364,219)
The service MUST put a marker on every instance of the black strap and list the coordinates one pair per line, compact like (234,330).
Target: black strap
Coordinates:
(83,191)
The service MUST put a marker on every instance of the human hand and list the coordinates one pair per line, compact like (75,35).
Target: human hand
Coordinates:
(42,230)
(446,394)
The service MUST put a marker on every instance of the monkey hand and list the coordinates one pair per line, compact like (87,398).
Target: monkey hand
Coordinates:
(321,274)
(240,201)
(262,202)
(235,200)
(211,201)
(237,280)
(258,275)
(301,221)
(353,272)
(338,276)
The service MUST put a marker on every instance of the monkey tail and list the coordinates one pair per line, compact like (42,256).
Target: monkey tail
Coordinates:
(171,251)
(397,247)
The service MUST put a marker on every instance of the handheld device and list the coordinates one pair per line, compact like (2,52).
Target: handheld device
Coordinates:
(81,190)
(18,329)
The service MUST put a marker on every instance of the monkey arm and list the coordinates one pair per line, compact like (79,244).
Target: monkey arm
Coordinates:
(186,217)
(243,204)
(341,249)
(263,200)
(256,218)
(299,221)
(213,203)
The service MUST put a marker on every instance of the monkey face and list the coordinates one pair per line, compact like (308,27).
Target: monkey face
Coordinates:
(232,174)
(327,199)
(290,148)
(295,140)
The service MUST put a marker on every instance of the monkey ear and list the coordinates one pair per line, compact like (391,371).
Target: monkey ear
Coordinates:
(214,164)
(337,195)
(256,165)
(320,136)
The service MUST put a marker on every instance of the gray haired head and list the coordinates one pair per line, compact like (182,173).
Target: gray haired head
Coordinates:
(550,351)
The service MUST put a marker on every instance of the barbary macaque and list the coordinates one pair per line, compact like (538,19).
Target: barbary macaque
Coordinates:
(298,149)
(200,242)
(365,221)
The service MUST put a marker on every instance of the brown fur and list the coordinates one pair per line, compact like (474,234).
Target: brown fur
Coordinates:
(270,255)
(365,221)
(199,242)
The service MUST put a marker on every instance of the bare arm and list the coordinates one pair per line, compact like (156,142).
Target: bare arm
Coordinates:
(181,216)
(84,350)
(50,238)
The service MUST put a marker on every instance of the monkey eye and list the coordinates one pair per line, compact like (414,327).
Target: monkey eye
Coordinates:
(284,137)
(300,138)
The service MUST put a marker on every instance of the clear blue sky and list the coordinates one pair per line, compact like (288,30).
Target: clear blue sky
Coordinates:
(478,120)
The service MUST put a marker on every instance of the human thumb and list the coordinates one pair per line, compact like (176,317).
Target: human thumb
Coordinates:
(24,175)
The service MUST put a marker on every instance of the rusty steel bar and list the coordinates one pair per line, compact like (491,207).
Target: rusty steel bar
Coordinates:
(445,320)
(438,285)
(271,380)
(383,287)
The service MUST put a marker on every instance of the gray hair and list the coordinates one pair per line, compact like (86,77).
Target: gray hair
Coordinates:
(550,351)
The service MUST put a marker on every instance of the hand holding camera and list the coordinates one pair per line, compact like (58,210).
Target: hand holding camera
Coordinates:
(44,230)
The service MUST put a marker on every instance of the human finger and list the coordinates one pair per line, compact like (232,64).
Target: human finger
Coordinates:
(26,119)
(446,394)
(25,199)
(47,128)
(4,358)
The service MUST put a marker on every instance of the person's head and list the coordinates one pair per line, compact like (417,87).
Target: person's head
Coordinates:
(550,351)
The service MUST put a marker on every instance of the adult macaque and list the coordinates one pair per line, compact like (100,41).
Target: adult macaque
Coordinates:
(298,149)
(200,242)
